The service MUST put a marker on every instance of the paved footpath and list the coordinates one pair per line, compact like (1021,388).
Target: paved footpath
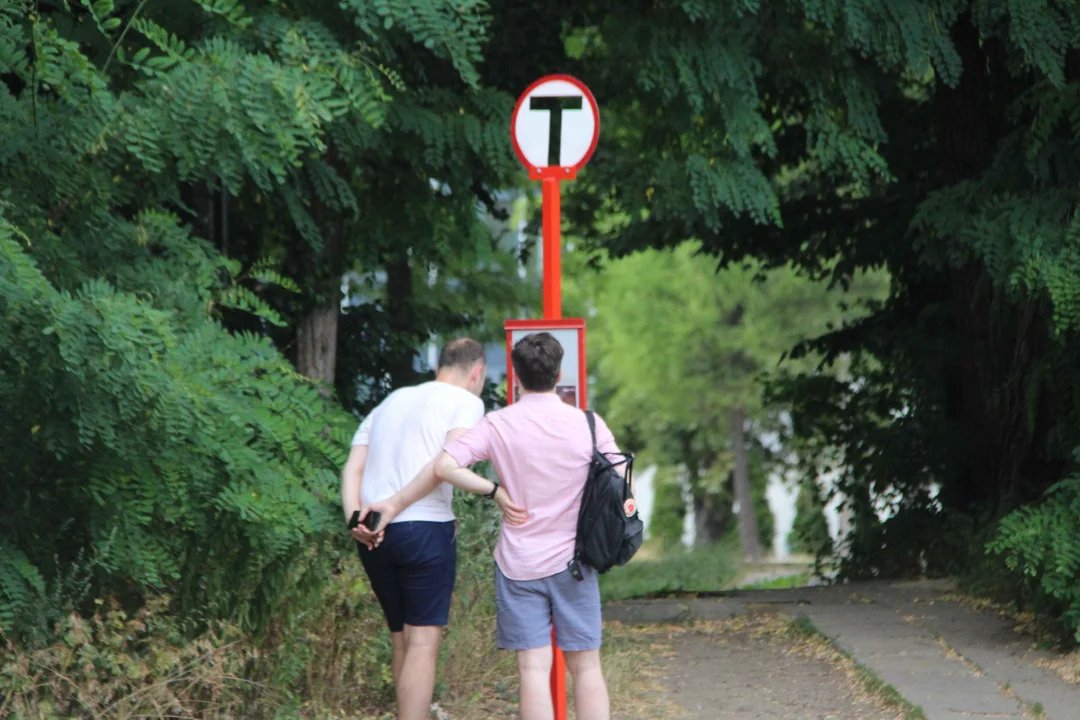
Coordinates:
(951,661)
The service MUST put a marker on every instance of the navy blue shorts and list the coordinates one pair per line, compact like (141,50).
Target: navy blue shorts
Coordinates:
(412,573)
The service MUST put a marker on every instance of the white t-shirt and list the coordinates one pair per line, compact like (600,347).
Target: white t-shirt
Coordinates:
(404,433)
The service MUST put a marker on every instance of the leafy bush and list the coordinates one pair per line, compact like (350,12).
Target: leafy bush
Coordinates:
(188,460)
(669,509)
(702,569)
(334,658)
(148,452)
(810,530)
(1040,544)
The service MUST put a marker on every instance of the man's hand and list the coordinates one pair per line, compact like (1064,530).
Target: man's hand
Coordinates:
(372,538)
(366,538)
(512,514)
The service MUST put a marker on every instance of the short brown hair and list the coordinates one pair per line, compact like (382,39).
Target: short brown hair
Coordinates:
(462,354)
(537,360)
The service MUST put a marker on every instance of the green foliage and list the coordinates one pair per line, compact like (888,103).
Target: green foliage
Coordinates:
(759,486)
(182,457)
(1041,545)
(810,531)
(780,583)
(679,571)
(691,344)
(934,139)
(454,31)
(193,461)
(147,662)
(671,334)
(669,509)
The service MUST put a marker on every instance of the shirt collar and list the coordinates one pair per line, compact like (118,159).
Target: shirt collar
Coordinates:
(539,397)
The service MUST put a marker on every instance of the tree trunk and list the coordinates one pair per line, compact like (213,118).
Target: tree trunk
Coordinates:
(712,517)
(748,531)
(1001,343)
(703,536)
(316,343)
(321,270)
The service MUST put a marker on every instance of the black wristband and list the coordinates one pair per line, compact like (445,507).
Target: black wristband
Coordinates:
(491,495)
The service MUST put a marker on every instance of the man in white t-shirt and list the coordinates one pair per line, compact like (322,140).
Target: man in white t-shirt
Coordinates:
(412,561)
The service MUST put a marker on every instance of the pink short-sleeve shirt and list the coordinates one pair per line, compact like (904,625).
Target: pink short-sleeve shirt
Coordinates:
(541,449)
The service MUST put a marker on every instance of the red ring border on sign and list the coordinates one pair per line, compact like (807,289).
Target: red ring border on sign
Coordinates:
(556,172)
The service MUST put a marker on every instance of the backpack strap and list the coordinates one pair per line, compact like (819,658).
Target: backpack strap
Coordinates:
(591,417)
(575,563)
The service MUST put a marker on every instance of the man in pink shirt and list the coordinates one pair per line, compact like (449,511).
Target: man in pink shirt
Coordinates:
(541,449)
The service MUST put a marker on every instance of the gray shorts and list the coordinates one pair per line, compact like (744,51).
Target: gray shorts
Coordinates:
(527,608)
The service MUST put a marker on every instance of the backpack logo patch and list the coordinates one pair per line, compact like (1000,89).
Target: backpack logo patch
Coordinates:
(629,507)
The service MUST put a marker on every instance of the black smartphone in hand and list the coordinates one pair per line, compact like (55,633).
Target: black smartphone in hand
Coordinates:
(372,520)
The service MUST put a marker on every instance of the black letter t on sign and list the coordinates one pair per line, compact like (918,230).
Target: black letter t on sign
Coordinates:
(555,104)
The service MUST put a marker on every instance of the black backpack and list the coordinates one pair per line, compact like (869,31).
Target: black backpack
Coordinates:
(609,530)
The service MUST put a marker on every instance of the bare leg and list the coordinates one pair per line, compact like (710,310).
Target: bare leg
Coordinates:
(397,644)
(534,668)
(590,691)
(416,683)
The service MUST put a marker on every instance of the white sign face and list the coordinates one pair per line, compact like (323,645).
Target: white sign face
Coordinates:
(555,124)
(568,388)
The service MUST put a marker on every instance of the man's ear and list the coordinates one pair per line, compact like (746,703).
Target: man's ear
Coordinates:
(558,380)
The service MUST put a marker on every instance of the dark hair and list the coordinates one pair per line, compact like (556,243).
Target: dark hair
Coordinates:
(537,360)
(462,354)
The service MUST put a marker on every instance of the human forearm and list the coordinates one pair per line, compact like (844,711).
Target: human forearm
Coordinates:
(350,491)
(352,477)
(447,470)
(419,487)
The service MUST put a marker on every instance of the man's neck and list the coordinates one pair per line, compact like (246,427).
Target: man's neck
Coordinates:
(452,377)
(525,392)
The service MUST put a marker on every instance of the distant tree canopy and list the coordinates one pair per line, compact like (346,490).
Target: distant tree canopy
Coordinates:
(680,351)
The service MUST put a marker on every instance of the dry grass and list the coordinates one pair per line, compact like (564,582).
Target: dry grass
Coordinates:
(633,677)
(1065,664)
(94,673)
(477,692)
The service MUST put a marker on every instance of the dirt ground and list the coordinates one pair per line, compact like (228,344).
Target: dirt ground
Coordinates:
(760,668)
(756,670)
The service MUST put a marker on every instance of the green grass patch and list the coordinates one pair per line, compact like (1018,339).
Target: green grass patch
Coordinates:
(781,583)
(675,572)
(890,695)
(803,627)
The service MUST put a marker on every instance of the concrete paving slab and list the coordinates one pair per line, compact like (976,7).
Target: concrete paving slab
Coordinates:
(935,694)
(1058,702)
(716,608)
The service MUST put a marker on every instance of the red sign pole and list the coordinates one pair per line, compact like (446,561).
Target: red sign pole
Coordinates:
(552,222)
(552,219)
